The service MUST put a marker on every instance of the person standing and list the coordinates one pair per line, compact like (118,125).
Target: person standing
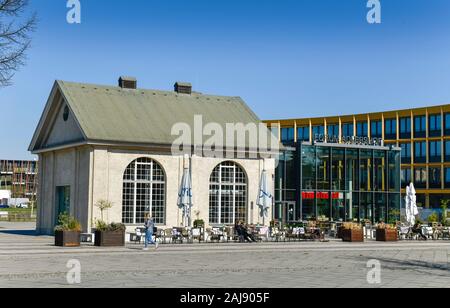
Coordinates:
(149,225)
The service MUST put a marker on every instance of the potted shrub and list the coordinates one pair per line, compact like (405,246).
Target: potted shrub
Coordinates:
(434,217)
(199,223)
(352,232)
(109,235)
(386,233)
(67,232)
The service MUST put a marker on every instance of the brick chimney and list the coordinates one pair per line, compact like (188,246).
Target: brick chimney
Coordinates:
(127,82)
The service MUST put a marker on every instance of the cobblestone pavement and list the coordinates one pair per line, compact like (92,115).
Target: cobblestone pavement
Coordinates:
(30,261)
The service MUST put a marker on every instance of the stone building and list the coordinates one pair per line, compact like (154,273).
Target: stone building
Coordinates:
(115,143)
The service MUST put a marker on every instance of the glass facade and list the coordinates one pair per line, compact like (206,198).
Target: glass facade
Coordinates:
(420,177)
(435,155)
(390,129)
(420,152)
(406,177)
(447,151)
(405,128)
(447,124)
(318,130)
(333,130)
(287,135)
(303,133)
(447,177)
(435,125)
(423,134)
(420,124)
(434,174)
(347,130)
(376,130)
(361,129)
(406,153)
(334,182)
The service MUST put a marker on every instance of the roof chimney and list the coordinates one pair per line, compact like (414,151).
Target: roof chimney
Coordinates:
(183,87)
(127,82)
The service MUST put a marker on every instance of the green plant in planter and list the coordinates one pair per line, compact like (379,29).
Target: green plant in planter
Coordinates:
(112,227)
(67,232)
(199,223)
(444,207)
(394,216)
(433,217)
(103,205)
(67,223)
(109,235)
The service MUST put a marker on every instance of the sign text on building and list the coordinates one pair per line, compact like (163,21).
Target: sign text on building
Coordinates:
(321,195)
(355,140)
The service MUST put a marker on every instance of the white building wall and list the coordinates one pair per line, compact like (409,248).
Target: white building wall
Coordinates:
(109,166)
(63,168)
(97,173)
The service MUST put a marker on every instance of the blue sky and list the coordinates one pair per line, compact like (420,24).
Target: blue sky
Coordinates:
(288,58)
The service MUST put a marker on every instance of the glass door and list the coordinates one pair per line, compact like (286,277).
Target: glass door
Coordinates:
(62,201)
(291,212)
(286,212)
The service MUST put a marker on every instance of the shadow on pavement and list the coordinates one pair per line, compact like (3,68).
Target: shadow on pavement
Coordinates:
(415,265)
(19,232)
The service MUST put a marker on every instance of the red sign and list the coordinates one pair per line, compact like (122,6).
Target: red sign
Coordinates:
(307,195)
(320,195)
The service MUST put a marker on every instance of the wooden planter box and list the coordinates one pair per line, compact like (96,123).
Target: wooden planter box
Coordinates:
(387,235)
(67,239)
(353,235)
(109,238)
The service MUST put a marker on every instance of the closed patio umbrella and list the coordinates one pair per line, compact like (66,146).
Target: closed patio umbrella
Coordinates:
(185,197)
(411,205)
(265,196)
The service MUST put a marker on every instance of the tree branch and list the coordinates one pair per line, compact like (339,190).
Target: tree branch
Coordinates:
(14,38)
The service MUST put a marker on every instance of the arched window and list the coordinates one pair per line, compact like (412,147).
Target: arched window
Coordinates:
(144,191)
(227,194)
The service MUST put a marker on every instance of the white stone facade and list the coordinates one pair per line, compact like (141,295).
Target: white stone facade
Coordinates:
(95,173)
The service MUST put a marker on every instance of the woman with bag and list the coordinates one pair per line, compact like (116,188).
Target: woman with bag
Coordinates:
(149,225)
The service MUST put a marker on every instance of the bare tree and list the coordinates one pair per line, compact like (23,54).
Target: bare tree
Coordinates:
(15,39)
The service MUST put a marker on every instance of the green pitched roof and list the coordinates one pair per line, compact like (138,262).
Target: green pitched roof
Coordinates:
(107,113)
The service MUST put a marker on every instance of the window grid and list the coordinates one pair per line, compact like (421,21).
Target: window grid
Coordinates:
(333,130)
(420,127)
(420,152)
(435,121)
(287,134)
(435,151)
(362,129)
(390,129)
(318,130)
(347,130)
(303,133)
(228,194)
(143,192)
(405,128)
(376,129)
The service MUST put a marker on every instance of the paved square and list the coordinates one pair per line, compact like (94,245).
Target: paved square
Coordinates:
(29,261)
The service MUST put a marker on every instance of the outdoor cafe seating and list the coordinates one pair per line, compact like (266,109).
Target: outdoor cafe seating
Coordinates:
(432,232)
(138,236)
(304,231)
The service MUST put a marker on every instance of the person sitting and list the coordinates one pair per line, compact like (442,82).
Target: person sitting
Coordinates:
(250,237)
(417,229)
(244,234)
(240,231)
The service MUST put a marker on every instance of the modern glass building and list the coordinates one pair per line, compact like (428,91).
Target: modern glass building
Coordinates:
(338,182)
(423,134)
